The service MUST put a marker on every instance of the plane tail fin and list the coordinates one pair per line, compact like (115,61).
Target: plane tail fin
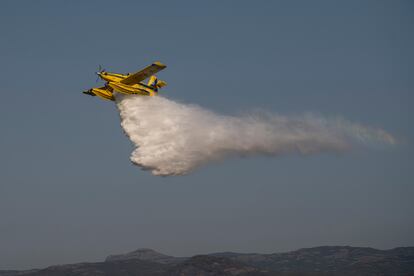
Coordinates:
(156,83)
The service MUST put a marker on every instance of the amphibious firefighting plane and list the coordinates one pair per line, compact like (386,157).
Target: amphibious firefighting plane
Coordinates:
(129,83)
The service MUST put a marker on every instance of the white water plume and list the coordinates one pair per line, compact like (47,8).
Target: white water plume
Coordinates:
(172,138)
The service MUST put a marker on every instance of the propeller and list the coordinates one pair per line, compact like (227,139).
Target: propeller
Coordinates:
(100,70)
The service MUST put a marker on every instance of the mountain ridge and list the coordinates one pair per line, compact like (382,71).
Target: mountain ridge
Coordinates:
(321,260)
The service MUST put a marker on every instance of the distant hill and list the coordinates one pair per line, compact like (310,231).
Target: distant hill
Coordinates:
(324,260)
(145,254)
(335,260)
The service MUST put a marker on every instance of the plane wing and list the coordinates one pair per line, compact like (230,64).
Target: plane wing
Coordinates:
(144,73)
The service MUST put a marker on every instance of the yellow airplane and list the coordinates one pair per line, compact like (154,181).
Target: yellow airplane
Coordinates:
(129,83)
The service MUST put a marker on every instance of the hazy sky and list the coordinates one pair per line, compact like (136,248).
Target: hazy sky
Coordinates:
(69,193)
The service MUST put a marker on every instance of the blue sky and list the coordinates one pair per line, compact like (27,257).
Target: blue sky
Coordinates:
(69,193)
